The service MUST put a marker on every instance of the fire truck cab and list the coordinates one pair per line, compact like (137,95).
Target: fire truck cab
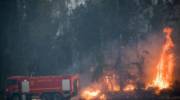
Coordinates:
(42,87)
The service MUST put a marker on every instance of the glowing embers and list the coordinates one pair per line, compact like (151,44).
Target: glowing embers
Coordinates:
(164,70)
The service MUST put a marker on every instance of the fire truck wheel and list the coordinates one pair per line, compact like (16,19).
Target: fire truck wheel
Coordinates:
(57,96)
(16,97)
(45,97)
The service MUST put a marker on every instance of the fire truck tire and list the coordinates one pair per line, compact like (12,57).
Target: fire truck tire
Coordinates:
(16,97)
(28,97)
(57,96)
(45,96)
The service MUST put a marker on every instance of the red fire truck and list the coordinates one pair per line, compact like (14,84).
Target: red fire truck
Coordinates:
(43,87)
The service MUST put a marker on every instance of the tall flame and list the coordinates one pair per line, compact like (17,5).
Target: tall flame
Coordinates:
(164,69)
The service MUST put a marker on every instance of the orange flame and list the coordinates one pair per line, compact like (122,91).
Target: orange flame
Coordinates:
(129,88)
(111,84)
(90,93)
(103,97)
(164,69)
(107,83)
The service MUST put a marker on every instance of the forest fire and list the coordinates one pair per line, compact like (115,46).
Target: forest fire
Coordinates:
(162,78)
(164,70)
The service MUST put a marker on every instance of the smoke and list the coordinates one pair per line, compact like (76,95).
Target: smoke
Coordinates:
(133,61)
(141,57)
